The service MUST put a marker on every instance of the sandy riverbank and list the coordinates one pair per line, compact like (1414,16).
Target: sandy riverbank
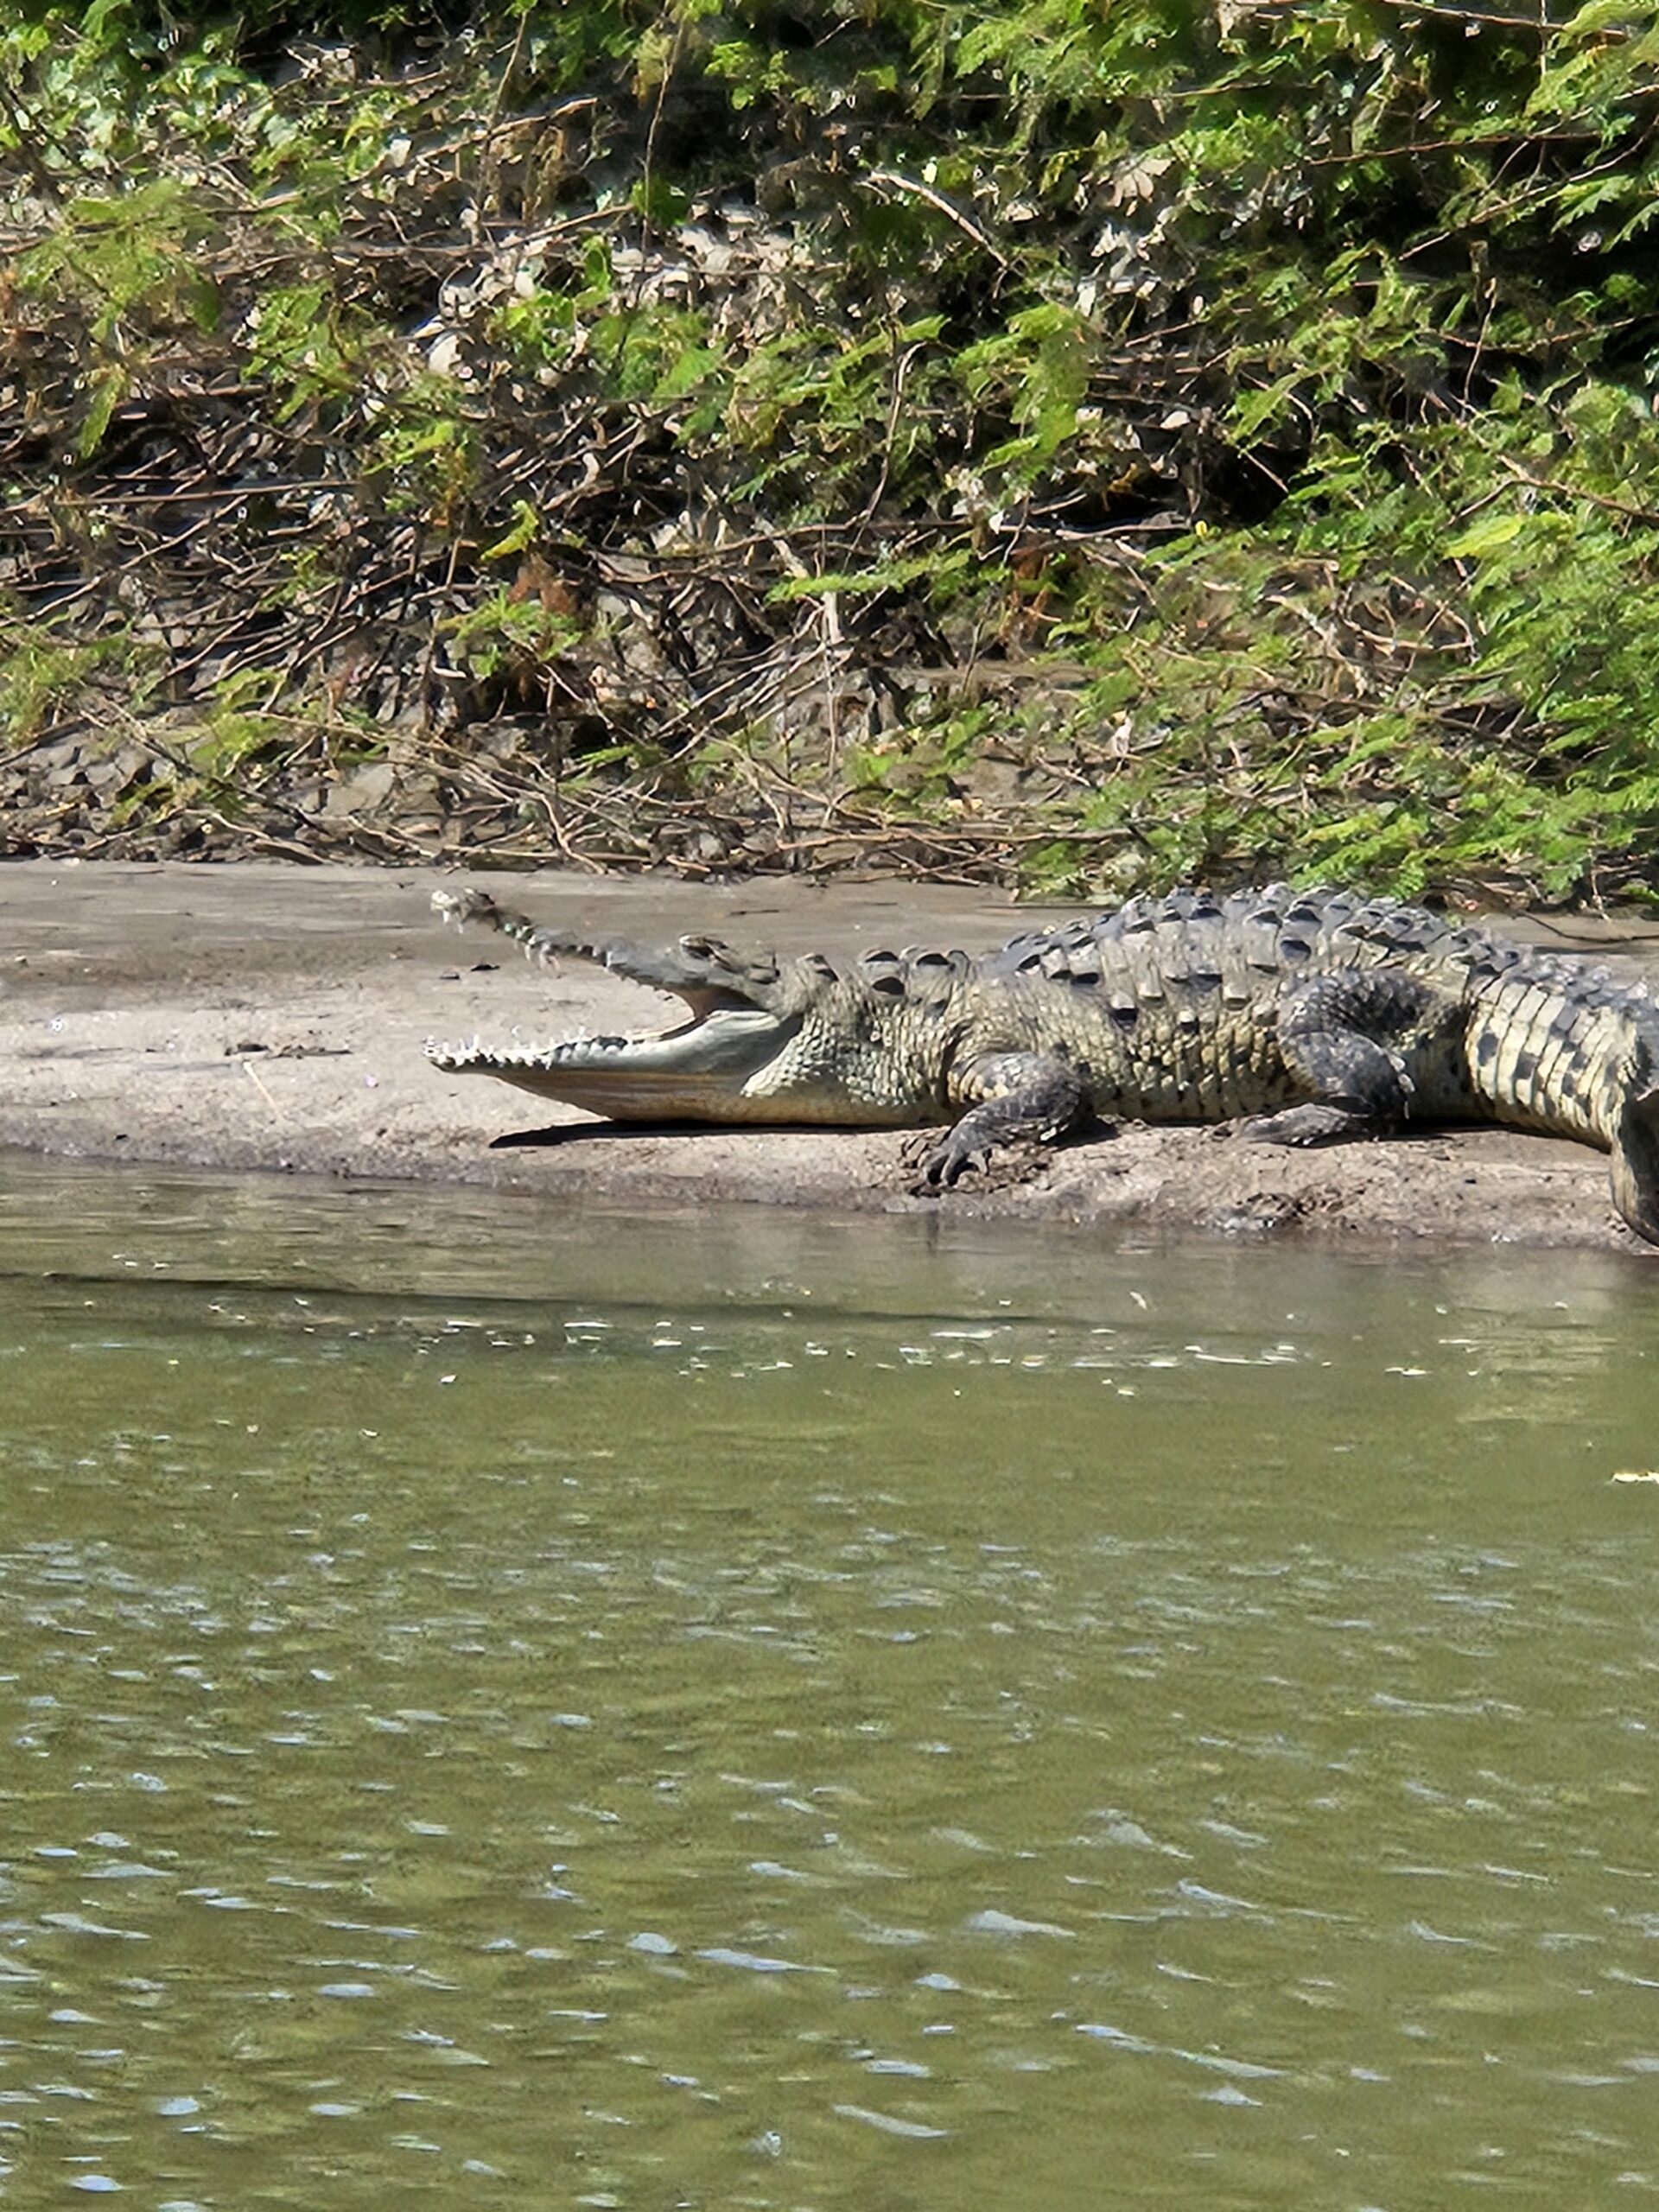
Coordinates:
(264,1017)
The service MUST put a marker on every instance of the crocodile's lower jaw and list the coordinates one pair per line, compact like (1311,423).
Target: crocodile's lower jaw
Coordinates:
(620,1096)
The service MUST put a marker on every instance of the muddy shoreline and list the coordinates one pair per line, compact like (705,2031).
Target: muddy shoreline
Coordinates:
(261,1017)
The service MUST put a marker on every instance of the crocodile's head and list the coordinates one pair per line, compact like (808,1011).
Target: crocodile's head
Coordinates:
(762,1044)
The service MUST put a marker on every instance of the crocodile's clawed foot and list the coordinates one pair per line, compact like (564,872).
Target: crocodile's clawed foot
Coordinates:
(1317,1123)
(933,1164)
(930,1162)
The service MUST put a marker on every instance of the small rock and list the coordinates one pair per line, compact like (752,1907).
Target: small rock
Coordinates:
(361,790)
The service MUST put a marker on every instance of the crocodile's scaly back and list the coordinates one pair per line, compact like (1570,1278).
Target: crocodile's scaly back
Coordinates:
(1174,1004)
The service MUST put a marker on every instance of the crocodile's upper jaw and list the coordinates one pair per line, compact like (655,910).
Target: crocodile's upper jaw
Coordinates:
(719,1066)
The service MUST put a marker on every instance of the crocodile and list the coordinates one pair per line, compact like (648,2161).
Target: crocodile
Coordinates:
(1306,1016)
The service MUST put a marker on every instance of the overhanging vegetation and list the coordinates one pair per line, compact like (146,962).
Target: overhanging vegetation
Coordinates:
(1074,444)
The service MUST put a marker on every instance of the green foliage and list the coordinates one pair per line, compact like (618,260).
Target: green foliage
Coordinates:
(312,347)
(40,670)
(1269,395)
(427,445)
(125,253)
(232,740)
(1034,373)
(502,635)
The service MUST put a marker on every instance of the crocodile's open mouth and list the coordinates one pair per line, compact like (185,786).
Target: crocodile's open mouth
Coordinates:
(708,1062)
(702,1069)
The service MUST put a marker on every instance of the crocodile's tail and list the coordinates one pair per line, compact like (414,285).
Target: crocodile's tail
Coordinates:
(1559,1046)
(1636,1148)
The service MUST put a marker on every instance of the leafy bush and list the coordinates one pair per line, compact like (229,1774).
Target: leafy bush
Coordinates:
(1085,445)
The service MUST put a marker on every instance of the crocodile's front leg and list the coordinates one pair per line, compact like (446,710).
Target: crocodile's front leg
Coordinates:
(1023,1098)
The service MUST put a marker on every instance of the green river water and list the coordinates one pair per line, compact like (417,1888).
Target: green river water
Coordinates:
(503,1707)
